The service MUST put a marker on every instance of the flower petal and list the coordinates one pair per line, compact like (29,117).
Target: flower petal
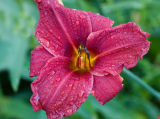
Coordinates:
(39,57)
(60,28)
(117,47)
(106,87)
(60,91)
(100,22)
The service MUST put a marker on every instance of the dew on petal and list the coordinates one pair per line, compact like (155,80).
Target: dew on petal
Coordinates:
(61,113)
(59,38)
(70,85)
(45,13)
(81,93)
(93,92)
(53,72)
(45,42)
(59,102)
(77,22)
(58,79)
(71,99)
(69,111)
(51,30)
(44,57)
(37,98)
(55,116)
(74,107)
(82,17)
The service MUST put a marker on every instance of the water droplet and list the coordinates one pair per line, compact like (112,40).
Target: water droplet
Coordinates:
(74,107)
(45,13)
(44,57)
(59,38)
(71,99)
(45,42)
(74,88)
(70,85)
(81,93)
(143,49)
(48,2)
(51,30)
(58,102)
(61,113)
(55,116)
(77,22)
(53,72)
(93,92)
(82,17)
(56,6)
(69,111)
(37,98)
(63,98)
(58,79)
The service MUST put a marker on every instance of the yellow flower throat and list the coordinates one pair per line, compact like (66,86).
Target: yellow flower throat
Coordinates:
(83,60)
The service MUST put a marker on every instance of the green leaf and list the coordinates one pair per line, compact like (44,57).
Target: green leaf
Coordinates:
(17,109)
(16,29)
(18,57)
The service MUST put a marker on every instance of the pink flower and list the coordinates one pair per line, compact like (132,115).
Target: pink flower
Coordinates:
(80,53)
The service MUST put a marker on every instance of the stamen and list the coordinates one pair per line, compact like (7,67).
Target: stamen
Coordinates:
(83,61)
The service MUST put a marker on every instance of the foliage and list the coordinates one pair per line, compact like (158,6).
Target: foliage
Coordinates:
(18,19)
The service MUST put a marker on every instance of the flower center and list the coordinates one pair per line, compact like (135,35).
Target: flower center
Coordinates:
(83,61)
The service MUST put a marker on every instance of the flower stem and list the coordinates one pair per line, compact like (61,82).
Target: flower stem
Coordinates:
(129,75)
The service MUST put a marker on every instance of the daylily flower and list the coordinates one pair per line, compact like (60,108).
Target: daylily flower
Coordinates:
(80,53)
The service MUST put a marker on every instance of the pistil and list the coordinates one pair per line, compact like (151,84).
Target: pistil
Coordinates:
(82,61)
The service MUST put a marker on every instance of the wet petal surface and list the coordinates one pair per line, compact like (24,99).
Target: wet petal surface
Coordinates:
(106,87)
(60,29)
(121,46)
(39,57)
(99,22)
(60,91)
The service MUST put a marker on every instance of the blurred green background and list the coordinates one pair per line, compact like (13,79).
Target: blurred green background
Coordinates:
(18,19)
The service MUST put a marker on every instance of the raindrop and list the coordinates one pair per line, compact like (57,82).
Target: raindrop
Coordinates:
(44,57)
(58,79)
(70,85)
(51,30)
(45,13)
(71,99)
(37,98)
(81,93)
(74,107)
(69,111)
(93,92)
(53,72)
(82,17)
(62,113)
(143,49)
(59,102)
(59,38)
(77,22)
(55,116)
(45,42)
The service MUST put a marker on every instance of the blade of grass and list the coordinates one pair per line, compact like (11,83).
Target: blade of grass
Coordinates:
(129,75)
